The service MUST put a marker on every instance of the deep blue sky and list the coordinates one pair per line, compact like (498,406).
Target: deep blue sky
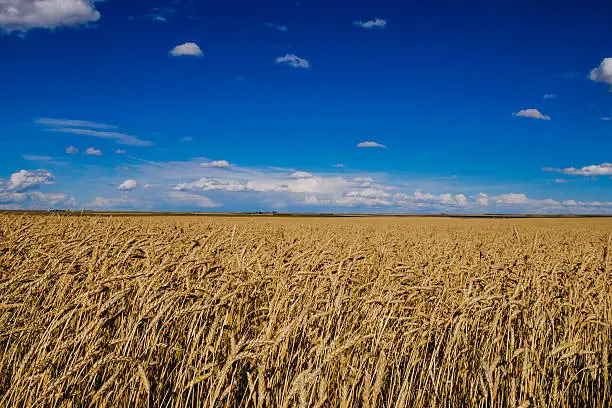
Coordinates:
(454,91)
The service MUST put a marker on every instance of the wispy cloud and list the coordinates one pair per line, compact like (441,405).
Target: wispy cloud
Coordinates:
(376,23)
(549,96)
(160,14)
(532,114)
(293,61)
(33,157)
(277,27)
(86,128)
(119,151)
(121,138)
(187,139)
(372,144)
(188,49)
(74,123)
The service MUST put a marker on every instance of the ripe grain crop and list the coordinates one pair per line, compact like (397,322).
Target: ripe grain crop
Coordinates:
(269,312)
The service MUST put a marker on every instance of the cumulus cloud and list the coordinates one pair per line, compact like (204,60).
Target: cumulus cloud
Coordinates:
(519,199)
(127,185)
(300,175)
(604,169)
(18,191)
(371,144)
(532,114)
(25,180)
(71,150)
(266,188)
(218,164)
(482,199)
(188,49)
(459,200)
(376,23)
(512,198)
(277,27)
(104,203)
(93,152)
(603,73)
(192,199)
(293,61)
(24,15)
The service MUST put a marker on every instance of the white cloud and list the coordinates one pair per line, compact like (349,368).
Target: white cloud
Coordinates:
(86,128)
(376,23)
(606,118)
(17,191)
(127,185)
(24,15)
(187,139)
(512,199)
(193,199)
(71,150)
(121,138)
(603,73)
(549,96)
(447,199)
(267,188)
(482,199)
(148,185)
(278,27)
(604,169)
(33,157)
(531,113)
(188,49)
(371,144)
(93,152)
(560,181)
(218,164)
(293,61)
(361,182)
(301,175)
(101,202)
(339,165)
(73,123)
(52,198)
(25,180)
(519,199)
(119,151)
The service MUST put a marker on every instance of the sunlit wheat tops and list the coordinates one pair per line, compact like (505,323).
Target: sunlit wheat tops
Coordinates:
(237,312)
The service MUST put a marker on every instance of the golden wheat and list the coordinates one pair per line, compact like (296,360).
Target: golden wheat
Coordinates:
(267,312)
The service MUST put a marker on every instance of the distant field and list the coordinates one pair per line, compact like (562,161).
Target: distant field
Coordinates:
(289,311)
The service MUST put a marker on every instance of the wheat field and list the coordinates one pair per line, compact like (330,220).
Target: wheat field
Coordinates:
(284,312)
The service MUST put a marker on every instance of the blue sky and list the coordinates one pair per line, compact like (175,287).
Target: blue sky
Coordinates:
(363,106)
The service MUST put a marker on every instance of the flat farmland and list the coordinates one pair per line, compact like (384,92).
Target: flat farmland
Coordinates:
(329,312)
